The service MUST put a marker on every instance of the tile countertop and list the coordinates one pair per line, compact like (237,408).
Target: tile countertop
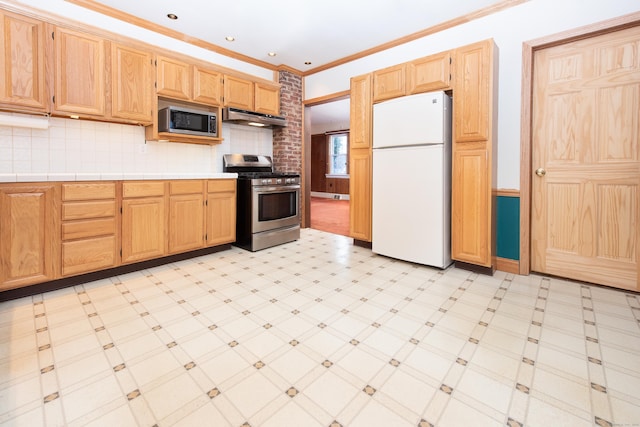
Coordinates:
(43,177)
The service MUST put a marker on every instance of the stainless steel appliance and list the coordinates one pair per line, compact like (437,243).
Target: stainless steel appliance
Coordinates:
(188,121)
(268,202)
(252,118)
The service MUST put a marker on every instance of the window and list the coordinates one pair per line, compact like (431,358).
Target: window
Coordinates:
(338,150)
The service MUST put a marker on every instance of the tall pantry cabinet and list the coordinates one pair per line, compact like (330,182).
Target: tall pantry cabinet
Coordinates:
(360,158)
(474,153)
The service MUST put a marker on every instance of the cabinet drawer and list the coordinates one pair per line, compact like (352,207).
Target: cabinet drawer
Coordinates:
(86,210)
(186,187)
(82,256)
(142,189)
(88,191)
(221,185)
(90,228)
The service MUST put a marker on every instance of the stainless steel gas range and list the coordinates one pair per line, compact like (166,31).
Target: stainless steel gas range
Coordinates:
(268,202)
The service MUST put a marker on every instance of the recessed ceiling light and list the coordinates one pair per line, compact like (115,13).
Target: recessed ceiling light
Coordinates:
(271,54)
(229,38)
(172,16)
(307,62)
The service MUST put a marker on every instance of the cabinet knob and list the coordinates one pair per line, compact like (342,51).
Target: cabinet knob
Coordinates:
(541,172)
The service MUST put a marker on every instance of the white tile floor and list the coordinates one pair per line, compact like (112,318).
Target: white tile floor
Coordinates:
(320,333)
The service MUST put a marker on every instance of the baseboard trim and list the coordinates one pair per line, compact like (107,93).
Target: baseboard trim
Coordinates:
(508,265)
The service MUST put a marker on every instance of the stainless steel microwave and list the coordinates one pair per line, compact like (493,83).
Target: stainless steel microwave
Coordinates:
(188,121)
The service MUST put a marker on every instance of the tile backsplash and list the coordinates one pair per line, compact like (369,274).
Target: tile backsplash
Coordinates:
(80,146)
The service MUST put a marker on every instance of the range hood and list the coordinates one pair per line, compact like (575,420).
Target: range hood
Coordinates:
(251,118)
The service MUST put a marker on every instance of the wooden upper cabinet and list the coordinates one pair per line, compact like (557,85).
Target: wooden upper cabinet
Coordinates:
(238,93)
(29,234)
(389,82)
(207,86)
(472,94)
(22,59)
(429,73)
(267,98)
(173,78)
(360,112)
(79,86)
(131,83)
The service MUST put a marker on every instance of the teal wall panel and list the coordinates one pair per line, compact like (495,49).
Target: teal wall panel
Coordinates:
(508,227)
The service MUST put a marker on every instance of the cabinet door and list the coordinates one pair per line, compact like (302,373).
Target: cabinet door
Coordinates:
(29,234)
(360,112)
(143,228)
(360,168)
(267,99)
(186,222)
(22,42)
(238,93)
(79,73)
(207,86)
(131,83)
(429,73)
(471,205)
(221,212)
(173,78)
(472,67)
(389,83)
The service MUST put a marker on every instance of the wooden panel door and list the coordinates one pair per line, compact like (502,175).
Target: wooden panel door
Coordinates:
(143,228)
(22,42)
(29,234)
(389,83)
(207,86)
(267,98)
(429,73)
(221,212)
(238,93)
(173,78)
(586,160)
(360,114)
(131,83)
(186,222)
(470,205)
(472,92)
(79,73)
(360,170)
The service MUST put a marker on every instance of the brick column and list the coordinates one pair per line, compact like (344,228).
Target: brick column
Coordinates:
(287,141)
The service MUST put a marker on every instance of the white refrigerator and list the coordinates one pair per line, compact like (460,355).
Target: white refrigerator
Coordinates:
(412,179)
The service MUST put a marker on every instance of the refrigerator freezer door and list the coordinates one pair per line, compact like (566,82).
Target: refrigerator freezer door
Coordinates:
(411,205)
(410,120)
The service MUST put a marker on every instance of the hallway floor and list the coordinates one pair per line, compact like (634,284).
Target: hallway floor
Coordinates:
(319,332)
(330,215)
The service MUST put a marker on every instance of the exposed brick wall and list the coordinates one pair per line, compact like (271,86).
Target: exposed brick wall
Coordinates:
(287,141)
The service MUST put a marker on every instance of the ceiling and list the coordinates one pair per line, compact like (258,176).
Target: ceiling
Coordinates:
(303,34)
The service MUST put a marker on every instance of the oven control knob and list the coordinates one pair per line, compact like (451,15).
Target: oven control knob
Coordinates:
(265,181)
(278,180)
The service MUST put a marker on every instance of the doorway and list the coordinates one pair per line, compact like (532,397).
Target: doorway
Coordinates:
(581,167)
(326,137)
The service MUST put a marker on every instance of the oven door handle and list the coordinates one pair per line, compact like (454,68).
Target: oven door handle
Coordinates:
(276,188)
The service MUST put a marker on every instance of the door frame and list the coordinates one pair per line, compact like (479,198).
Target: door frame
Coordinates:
(528,50)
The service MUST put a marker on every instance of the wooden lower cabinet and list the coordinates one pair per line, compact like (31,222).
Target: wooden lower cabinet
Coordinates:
(29,234)
(144,221)
(186,216)
(221,212)
(89,227)
(360,172)
(471,205)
